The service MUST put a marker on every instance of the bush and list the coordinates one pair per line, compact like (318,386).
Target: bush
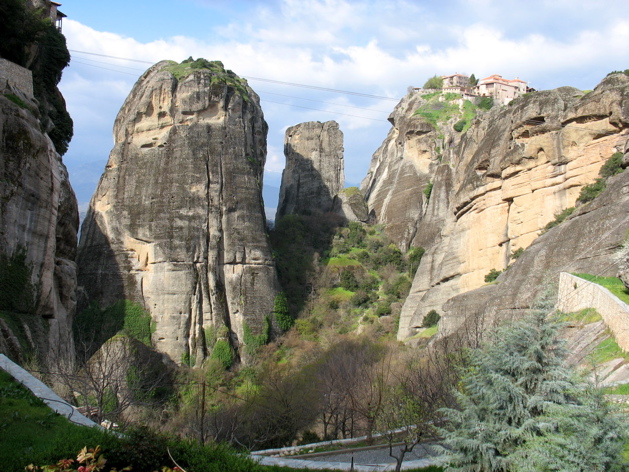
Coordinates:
(348,281)
(486,103)
(428,191)
(612,166)
(590,192)
(360,298)
(459,125)
(413,259)
(492,275)
(281,312)
(222,352)
(517,253)
(559,218)
(383,308)
(431,319)
(434,82)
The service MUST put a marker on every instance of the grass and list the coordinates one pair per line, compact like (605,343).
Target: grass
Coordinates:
(342,261)
(607,350)
(618,390)
(613,284)
(340,294)
(585,316)
(429,332)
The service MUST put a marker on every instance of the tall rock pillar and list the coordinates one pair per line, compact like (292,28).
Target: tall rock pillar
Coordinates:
(177,222)
(314,172)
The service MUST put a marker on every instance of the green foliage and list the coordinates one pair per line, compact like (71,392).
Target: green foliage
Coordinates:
(607,350)
(585,316)
(95,325)
(428,190)
(254,342)
(431,319)
(434,82)
(220,76)
(459,125)
(21,25)
(520,409)
(349,281)
(626,72)
(590,192)
(517,253)
(281,312)
(485,103)
(492,275)
(559,218)
(17,100)
(413,259)
(612,166)
(449,96)
(17,293)
(222,352)
(472,81)
(436,112)
(613,284)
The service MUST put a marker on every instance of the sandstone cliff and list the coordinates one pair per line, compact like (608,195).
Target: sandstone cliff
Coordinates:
(494,188)
(38,235)
(177,222)
(314,174)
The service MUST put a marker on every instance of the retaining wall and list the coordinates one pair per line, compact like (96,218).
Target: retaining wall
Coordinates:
(577,294)
(17,76)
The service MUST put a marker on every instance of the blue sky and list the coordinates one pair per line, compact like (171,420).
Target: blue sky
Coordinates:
(374,47)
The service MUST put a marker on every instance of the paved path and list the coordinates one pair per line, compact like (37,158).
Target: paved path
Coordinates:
(365,460)
(39,389)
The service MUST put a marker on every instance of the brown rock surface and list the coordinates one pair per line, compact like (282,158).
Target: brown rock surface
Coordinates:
(177,222)
(506,179)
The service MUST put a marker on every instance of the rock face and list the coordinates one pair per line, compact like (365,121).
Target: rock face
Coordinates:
(177,222)
(587,242)
(402,168)
(314,172)
(495,189)
(38,234)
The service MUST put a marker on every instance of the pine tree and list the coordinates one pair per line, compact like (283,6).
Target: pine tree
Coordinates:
(521,409)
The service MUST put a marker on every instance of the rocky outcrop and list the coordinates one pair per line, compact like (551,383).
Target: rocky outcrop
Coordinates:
(38,235)
(314,172)
(177,222)
(497,188)
(351,205)
(587,242)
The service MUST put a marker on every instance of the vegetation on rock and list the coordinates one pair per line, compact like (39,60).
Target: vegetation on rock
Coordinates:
(435,82)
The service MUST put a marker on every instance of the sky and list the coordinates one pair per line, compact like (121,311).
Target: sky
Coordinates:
(364,53)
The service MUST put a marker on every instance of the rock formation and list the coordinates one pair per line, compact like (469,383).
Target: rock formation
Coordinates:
(495,188)
(177,222)
(314,172)
(38,234)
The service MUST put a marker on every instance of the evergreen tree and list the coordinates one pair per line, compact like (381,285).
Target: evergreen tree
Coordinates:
(521,409)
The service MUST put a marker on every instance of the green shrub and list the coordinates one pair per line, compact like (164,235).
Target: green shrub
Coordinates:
(517,253)
(434,82)
(360,298)
(559,218)
(492,275)
(413,259)
(428,191)
(383,308)
(255,342)
(222,352)
(590,192)
(281,312)
(486,103)
(612,166)
(431,319)
(459,125)
(348,281)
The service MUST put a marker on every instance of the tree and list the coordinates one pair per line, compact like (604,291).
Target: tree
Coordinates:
(434,82)
(281,312)
(472,81)
(521,409)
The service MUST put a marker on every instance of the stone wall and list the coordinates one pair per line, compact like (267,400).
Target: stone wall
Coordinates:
(17,76)
(577,294)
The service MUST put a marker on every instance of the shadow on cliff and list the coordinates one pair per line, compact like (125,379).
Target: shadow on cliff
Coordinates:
(100,287)
(304,230)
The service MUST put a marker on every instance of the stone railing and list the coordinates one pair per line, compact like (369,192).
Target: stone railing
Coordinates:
(577,294)
(16,76)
